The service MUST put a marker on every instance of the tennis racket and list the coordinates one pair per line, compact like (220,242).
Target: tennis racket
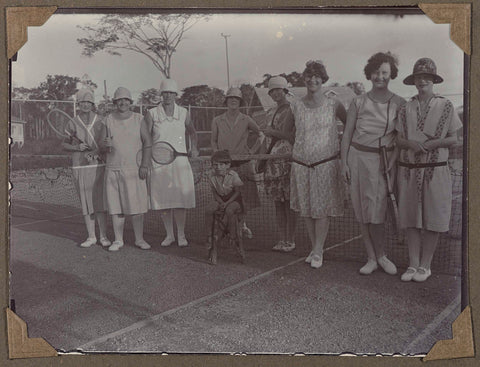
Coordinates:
(163,153)
(58,121)
(392,206)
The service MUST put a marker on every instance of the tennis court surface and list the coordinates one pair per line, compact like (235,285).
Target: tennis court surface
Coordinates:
(172,300)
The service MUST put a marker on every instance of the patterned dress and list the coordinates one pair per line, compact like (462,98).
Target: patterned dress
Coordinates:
(171,185)
(425,194)
(277,172)
(88,166)
(375,126)
(319,191)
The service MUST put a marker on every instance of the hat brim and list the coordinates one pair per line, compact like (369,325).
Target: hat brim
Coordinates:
(117,99)
(410,80)
(284,89)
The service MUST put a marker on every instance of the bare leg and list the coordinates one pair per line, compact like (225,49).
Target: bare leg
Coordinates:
(321,231)
(311,230)
(430,241)
(118,221)
(167,218)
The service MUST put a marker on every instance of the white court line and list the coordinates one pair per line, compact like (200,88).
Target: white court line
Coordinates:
(45,220)
(433,325)
(150,320)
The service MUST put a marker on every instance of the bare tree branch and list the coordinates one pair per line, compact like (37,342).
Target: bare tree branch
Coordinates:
(155,36)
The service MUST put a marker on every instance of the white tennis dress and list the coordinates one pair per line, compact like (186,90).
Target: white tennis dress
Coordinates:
(171,185)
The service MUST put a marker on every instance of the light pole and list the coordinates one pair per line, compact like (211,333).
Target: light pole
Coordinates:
(226,53)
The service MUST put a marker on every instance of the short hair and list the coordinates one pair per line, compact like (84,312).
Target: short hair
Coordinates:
(377,60)
(316,68)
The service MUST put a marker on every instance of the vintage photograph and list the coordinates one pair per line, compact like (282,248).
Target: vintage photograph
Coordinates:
(281,182)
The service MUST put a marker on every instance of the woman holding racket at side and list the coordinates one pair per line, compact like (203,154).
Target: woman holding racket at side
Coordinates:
(427,126)
(230,132)
(84,133)
(370,128)
(316,189)
(126,133)
(280,134)
(171,185)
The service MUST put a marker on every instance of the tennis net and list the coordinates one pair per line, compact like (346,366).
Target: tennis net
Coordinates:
(55,186)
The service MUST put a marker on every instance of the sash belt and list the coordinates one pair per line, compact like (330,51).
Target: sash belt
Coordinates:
(421,165)
(365,148)
(337,155)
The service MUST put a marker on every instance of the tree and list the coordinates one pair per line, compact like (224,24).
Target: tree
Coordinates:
(155,36)
(56,87)
(248,92)
(202,96)
(149,97)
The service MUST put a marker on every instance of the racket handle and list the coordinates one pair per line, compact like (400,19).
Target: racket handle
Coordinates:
(107,130)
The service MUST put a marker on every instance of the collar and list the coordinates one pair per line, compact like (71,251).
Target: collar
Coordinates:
(163,115)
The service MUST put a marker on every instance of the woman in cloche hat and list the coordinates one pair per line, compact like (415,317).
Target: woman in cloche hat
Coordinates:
(427,125)
(280,134)
(85,134)
(126,134)
(171,186)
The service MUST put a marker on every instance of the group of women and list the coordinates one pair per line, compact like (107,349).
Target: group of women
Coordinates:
(415,136)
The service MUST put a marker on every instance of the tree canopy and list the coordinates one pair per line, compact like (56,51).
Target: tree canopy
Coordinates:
(202,96)
(155,36)
(55,87)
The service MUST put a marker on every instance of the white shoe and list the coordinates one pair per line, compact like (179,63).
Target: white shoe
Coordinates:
(387,265)
(409,274)
(167,241)
(369,267)
(422,275)
(317,261)
(182,242)
(143,245)
(308,260)
(116,245)
(105,242)
(88,242)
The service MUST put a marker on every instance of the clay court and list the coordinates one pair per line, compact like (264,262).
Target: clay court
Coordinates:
(171,300)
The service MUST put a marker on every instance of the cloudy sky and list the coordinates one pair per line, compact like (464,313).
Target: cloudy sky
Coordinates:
(258,44)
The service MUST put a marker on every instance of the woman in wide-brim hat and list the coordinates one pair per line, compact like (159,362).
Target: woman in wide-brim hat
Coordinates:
(427,126)
(126,134)
(230,132)
(172,188)
(280,135)
(85,134)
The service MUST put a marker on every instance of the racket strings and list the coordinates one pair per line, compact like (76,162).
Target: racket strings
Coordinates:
(162,154)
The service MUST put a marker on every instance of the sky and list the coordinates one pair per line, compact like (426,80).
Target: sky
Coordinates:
(258,44)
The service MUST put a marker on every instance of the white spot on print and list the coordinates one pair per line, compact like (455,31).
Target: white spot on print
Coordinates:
(279,34)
